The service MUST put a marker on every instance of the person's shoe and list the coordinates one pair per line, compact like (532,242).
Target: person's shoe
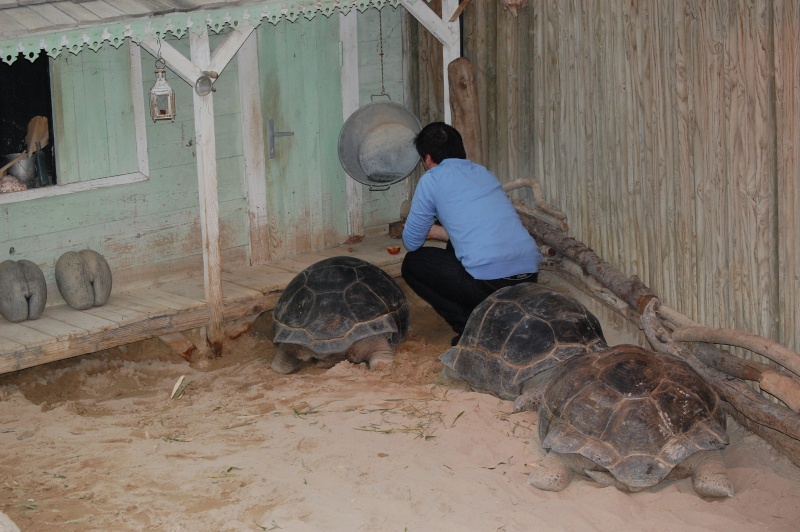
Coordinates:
(455,340)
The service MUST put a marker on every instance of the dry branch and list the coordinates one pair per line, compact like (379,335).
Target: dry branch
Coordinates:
(776,424)
(757,344)
(598,291)
(542,209)
(631,290)
(784,386)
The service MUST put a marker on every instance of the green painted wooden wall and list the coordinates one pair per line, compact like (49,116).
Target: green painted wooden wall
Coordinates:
(305,182)
(96,128)
(150,230)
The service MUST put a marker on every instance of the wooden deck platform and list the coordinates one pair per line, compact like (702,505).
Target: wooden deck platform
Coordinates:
(165,309)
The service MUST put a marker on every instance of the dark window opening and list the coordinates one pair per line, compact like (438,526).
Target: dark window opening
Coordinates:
(25,94)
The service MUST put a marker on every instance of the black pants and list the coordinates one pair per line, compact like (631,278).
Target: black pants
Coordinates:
(438,277)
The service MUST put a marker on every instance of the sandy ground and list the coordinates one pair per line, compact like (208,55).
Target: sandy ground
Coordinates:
(95,443)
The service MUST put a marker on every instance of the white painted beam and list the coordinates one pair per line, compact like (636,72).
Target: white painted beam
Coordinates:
(348,35)
(140,110)
(446,32)
(206,154)
(176,61)
(255,164)
(227,50)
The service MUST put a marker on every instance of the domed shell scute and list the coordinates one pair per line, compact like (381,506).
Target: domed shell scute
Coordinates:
(576,327)
(363,302)
(629,377)
(507,329)
(338,301)
(296,309)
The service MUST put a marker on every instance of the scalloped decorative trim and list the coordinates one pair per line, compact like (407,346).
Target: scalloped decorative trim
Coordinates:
(177,24)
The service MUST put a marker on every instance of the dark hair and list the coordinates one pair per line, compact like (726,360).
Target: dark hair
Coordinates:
(441,142)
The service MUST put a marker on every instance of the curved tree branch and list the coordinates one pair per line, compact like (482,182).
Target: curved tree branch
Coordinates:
(630,290)
(752,342)
(743,400)
(541,208)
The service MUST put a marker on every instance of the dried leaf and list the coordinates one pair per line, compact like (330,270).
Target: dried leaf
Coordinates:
(177,385)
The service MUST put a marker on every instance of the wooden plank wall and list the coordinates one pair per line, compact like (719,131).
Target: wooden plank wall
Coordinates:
(787,111)
(668,133)
(299,78)
(380,207)
(97,129)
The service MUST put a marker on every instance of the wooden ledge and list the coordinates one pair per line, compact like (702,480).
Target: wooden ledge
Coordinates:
(163,310)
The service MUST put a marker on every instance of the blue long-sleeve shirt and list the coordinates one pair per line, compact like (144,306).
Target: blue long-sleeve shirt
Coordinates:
(480,220)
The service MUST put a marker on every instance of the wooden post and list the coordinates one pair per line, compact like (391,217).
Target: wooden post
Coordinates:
(206,150)
(253,151)
(450,52)
(464,105)
(348,34)
(190,70)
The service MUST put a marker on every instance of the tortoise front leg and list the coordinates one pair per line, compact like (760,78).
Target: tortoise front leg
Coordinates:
(285,360)
(551,474)
(532,392)
(709,476)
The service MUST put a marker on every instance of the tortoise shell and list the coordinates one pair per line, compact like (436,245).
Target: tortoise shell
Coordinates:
(338,301)
(631,411)
(518,332)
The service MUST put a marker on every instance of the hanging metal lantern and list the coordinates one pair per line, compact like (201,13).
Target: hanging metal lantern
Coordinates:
(162,97)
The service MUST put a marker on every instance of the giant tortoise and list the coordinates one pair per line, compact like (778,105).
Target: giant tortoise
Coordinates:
(339,308)
(623,416)
(630,418)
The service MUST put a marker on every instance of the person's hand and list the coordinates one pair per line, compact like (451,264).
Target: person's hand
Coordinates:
(438,232)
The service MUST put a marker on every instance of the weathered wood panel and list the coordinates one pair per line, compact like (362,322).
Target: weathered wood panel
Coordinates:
(91,93)
(300,83)
(381,31)
(787,110)
(666,131)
